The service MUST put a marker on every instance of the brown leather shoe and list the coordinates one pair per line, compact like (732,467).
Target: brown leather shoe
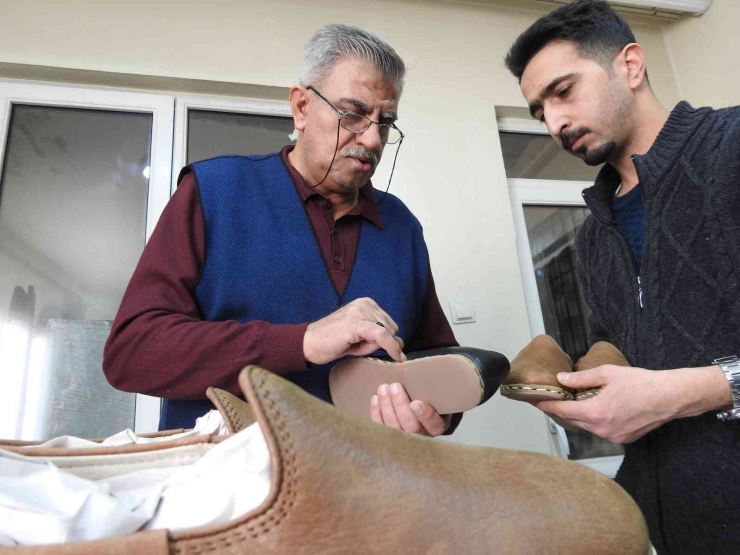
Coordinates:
(359,469)
(236,412)
(533,375)
(344,484)
(600,353)
(449,379)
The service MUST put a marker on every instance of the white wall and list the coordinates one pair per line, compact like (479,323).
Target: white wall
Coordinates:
(450,170)
(704,52)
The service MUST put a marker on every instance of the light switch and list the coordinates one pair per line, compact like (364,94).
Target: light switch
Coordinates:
(462,312)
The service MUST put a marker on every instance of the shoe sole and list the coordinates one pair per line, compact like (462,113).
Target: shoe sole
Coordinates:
(538,392)
(530,392)
(448,383)
(587,394)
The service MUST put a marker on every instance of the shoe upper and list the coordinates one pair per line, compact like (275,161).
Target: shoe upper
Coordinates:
(601,353)
(539,363)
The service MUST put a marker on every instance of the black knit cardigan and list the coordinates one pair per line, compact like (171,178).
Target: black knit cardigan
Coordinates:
(681,308)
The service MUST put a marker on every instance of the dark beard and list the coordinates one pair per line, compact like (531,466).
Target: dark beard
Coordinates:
(599,155)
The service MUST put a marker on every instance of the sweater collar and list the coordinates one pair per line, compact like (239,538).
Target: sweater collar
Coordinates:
(652,167)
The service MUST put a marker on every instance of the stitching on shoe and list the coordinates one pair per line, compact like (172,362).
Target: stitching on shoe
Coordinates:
(587,394)
(388,362)
(231,411)
(560,392)
(277,512)
(477,373)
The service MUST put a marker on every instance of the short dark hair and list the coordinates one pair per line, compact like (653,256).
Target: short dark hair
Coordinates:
(597,30)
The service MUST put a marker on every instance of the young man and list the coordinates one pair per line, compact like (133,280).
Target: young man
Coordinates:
(659,263)
(251,260)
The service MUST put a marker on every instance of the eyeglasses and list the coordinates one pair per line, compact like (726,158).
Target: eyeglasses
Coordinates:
(389,134)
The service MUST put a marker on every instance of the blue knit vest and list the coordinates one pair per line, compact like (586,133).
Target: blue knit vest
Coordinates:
(263,262)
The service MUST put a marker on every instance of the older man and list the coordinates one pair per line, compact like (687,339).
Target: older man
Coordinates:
(658,261)
(290,260)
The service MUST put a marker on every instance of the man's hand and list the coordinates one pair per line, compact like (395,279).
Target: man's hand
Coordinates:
(392,407)
(352,330)
(634,401)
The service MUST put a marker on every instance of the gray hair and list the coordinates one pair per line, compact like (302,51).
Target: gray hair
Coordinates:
(333,42)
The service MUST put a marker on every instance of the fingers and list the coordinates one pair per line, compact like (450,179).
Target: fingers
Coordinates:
(392,407)
(353,330)
(375,415)
(570,411)
(565,424)
(405,414)
(374,313)
(376,335)
(595,377)
(433,423)
(385,323)
(387,410)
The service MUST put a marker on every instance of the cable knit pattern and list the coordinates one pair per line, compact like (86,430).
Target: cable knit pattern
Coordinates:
(684,472)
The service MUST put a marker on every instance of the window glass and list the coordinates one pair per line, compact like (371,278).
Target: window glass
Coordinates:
(529,156)
(73,203)
(213,134)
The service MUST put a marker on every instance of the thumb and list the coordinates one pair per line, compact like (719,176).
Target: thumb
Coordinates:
(582,379)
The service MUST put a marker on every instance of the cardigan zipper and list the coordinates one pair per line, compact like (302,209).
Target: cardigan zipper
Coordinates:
(625,248)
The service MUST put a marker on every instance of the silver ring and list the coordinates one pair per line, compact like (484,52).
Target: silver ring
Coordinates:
(380,324)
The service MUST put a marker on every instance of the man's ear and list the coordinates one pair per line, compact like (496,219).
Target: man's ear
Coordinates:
(299,106)
(631,61)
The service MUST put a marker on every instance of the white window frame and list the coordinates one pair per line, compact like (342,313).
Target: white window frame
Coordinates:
(185,103)
(160,106)
(544,192)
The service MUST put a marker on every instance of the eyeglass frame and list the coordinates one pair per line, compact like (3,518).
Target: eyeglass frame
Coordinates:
(343,113)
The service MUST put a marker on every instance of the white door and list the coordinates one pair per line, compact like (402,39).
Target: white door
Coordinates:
(545,186)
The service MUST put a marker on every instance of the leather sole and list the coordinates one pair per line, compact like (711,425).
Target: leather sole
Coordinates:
(530,392)
(537,392)
(587,394)
(449,383)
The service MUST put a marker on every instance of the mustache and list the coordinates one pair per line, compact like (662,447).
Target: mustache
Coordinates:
(570,136)
(361,153)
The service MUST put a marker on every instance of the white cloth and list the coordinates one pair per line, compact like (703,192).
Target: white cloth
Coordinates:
(42,504)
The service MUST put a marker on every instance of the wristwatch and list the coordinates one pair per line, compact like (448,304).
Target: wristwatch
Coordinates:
(731,367)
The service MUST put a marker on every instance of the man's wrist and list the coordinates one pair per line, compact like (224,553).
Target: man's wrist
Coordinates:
(701,390)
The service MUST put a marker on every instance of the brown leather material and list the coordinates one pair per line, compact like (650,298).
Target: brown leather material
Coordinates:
(235,411)
(345,484)
(152,542)
(533,375)
(448,383)
(599,354)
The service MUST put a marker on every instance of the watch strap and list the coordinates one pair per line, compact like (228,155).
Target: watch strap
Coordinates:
(731,367)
